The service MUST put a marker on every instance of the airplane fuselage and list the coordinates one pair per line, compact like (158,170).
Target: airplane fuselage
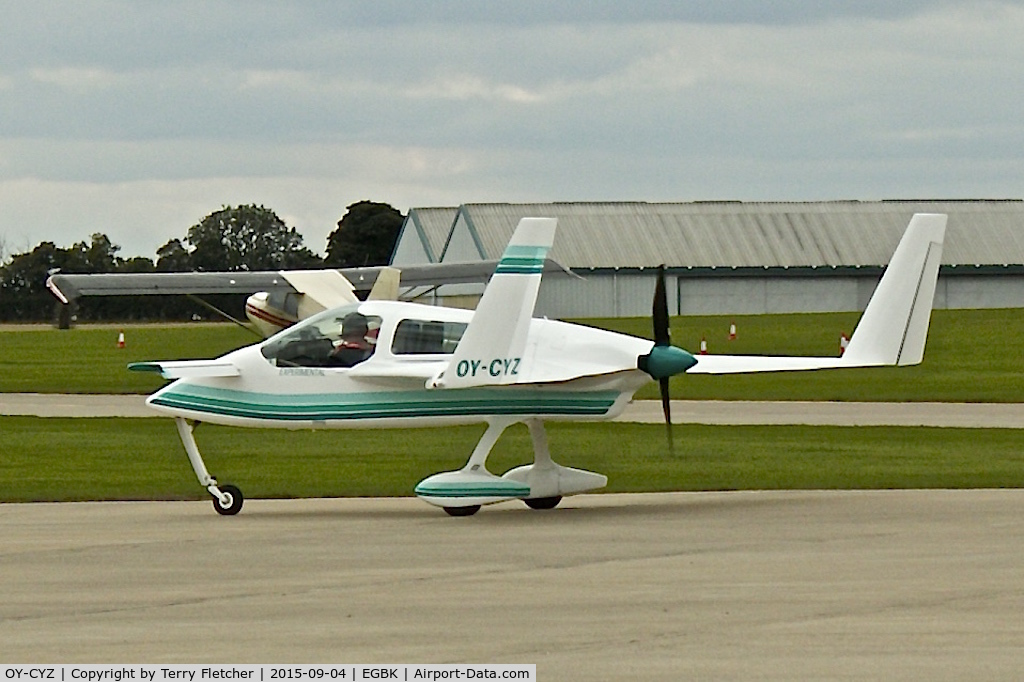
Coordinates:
(390,387)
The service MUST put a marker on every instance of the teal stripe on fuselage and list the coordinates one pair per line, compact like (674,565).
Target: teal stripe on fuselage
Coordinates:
(383,405)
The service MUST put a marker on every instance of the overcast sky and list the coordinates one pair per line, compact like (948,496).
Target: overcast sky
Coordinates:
(138,118)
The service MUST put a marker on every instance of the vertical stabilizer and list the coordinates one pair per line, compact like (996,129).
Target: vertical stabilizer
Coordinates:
(894,326)
(491,351)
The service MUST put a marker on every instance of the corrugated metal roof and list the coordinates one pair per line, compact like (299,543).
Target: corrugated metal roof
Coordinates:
(755,234)
(432,225)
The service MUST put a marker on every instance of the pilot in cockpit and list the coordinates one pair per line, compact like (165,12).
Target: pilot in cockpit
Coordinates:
(353,347)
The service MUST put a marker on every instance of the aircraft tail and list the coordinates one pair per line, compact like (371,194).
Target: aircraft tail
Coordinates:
(894,326)
(491,351)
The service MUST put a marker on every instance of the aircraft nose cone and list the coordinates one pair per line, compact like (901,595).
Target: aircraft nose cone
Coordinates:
(666,361)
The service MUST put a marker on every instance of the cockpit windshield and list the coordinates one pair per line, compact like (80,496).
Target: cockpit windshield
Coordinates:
(341,337)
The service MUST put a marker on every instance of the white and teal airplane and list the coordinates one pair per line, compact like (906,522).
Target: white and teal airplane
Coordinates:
(397,364)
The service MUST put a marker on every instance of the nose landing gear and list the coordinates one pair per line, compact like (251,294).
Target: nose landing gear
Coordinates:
(227,499)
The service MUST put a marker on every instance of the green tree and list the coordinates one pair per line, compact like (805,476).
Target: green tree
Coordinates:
(136,264)
(99,255)
(366,235)
(28,271)
(173,257)
(248,237)
(23,294)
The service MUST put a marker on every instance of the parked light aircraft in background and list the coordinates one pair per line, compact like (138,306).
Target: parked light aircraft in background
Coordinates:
(284,297)
(398,364)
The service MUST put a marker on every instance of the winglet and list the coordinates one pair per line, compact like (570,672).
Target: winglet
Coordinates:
(54,286)
(894,326)
(491,350)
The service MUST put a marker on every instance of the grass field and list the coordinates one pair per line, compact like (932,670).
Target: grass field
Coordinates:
(972,356)
(142,459)
(86,359)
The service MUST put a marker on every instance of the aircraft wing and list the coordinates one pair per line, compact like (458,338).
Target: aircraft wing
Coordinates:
(68,287)
(439,274)
(187,368)
(323,284)
(324,288)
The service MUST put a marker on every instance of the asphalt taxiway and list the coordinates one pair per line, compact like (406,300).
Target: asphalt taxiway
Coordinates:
(752,585)
(758,585)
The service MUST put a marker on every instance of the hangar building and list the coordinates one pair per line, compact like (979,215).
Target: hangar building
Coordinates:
(730,257)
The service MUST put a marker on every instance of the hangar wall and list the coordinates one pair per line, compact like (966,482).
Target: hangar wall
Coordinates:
(628,294)
(981,291)
(755,296)
(731,257)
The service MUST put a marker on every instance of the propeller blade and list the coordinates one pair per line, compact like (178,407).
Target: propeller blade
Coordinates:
(659,311)
(666,407)
(664,360)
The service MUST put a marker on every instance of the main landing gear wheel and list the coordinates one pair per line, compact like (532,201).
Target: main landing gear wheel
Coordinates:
(463,511)
(234,504)
(543,502)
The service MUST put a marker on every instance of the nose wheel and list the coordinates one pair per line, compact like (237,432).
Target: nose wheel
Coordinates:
(230,501)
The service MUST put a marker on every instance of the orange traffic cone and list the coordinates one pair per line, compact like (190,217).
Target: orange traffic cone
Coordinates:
(120,339)
(703,346)
(732,332)
(844,341)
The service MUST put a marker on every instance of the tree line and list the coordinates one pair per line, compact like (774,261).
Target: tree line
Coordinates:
(234,238)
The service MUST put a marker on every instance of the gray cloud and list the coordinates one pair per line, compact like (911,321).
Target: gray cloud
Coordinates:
(170,110)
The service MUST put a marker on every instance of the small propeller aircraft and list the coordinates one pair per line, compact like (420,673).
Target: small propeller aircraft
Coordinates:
(399,364)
